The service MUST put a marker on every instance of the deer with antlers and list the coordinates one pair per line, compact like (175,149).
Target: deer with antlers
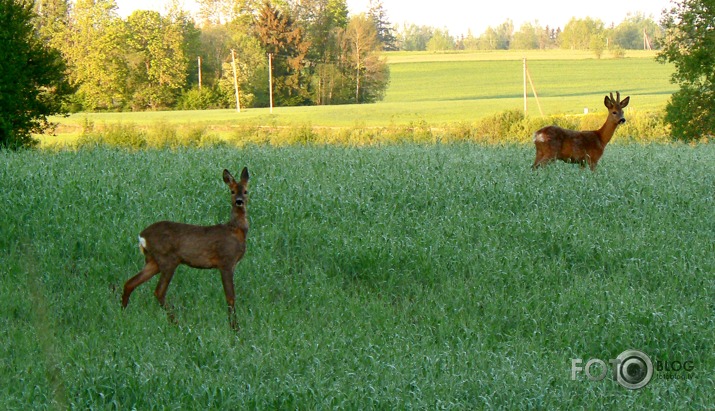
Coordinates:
(583,147)
(166,245)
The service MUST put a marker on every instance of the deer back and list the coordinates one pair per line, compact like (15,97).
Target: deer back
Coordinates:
(193,245)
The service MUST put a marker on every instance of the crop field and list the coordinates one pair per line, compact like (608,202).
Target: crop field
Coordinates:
(438,89)
(397,277)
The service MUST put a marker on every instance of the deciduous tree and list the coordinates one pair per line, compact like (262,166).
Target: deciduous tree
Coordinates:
(323,20)
(689,44)
(578,34)
(216,11)
(498,38)
(33,85)
(414,38)
(284,40)
(370,72)
(441,41)
(527,37)
(629,34)
(251,62)
(51,20)
(96,55)
(156,57)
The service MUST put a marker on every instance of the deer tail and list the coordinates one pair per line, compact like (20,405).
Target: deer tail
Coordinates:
(142,244)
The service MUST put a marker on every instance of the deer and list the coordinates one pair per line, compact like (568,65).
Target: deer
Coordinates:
(167,244)
(583,147)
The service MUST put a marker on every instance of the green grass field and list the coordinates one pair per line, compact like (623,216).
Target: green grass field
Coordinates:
(439,89)
(397,276)
(563,85)
(407,276)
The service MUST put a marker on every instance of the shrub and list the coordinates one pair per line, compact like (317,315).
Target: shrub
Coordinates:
(617,52)
(498,127)
(507,127)
(163,135)
(199,99)
(646,126)
(114,135)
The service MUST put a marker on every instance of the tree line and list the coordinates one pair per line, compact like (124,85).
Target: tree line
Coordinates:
(318,54)
(635,32)
(58,56)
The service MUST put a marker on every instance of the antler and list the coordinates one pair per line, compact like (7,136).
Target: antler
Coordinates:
(617,99)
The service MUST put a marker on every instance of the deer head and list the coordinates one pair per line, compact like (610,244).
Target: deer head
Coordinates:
(239,193)
(615,107)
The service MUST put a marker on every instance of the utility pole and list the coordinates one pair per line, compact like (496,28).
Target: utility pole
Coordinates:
(199,72)
(270,81)
(527,75)
(533,89)
(235,79)
(525,106)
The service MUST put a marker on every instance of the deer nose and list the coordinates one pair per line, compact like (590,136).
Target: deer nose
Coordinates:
(621,121)
(239,202)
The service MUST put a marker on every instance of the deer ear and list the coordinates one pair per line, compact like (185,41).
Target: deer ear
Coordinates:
(227,177)
(244,174)
(625,101)
(607,102)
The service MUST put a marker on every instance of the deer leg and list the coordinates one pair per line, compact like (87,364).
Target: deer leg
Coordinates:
(541,158)
(167,273)
(151,268)
(227,280)
(537,160)
(592,161)
(540,161)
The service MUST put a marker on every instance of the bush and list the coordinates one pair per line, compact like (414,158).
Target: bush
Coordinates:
(617,52)
(163,135)
(199,99)
(499,126)
(113,135)
(690,114)
(645,127)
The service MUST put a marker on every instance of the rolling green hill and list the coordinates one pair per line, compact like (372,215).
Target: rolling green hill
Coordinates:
(439,89)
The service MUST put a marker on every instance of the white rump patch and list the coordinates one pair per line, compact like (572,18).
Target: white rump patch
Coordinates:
(142,244)
(539,137)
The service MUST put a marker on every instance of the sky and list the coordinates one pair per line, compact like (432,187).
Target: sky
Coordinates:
(459,16)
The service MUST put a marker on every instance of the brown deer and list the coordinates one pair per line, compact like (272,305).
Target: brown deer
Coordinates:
(583,147)
(166,245)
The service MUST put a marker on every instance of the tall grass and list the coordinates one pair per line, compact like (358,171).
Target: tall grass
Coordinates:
(406,276)
(507,127)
